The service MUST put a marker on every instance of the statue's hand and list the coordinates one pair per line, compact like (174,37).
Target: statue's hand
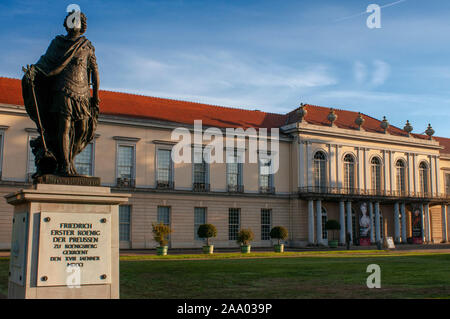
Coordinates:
(95,101)
(32,71)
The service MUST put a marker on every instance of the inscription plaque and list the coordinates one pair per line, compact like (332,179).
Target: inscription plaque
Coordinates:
(74,249)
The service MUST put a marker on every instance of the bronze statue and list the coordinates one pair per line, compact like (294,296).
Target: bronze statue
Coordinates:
(57,96)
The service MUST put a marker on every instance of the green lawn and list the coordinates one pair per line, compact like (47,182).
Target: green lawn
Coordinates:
(298,275)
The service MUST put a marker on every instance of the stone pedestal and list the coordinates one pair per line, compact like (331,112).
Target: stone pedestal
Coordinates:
(65,242)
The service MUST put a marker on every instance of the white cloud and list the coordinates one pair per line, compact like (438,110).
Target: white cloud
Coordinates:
(381,73)
(359,71)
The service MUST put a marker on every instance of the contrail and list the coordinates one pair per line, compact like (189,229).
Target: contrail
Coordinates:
(363,13)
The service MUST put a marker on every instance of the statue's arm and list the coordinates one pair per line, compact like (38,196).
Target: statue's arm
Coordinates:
(93,67)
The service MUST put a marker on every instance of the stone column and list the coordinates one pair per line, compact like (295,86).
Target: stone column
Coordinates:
(397,222)
(342,222)
(403,211)
(339,168)
(444,223)
(319,222)
(309,166)
(377,222)
(428,221)
(349,221)
(372,226)
(432,187)
(311,222)
(301,164)
(422,216)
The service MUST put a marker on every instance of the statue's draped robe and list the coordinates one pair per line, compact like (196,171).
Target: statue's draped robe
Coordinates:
(60,54)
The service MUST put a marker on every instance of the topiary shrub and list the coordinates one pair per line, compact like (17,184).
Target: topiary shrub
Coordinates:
(207,231)
(245,236)
(279,232)
(161,233)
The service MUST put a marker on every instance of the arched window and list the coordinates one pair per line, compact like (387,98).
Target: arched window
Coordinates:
(401,172)
(423,178)
(324,222)
(375,166)
(349,172)
(320,170)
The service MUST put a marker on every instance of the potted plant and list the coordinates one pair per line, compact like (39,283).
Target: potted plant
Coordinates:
(207,231)
(333,226)
(160,235)
(280,233)
(245,236)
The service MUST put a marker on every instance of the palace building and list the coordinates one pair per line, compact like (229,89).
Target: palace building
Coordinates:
(377,180)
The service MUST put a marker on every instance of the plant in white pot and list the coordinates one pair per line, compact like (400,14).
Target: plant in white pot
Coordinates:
(160,235)
(245,236)
(207,231)
(280,233)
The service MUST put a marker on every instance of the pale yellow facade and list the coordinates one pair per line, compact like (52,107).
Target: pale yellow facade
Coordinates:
(294,183)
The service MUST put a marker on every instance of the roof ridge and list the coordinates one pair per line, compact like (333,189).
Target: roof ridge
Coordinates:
(191,102)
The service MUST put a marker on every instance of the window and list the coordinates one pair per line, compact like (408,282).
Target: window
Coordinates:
(84,161)
(164,174)
(265,176)
(266,223)
(401,172)
(164,215)
(200,167)
(124,222)
(375,166)
(31,165)
(234,173)
(199,219)
(125,161)
(423,178)
(233,223)
(320,170)
(349,172)
(447,183)
(324,224)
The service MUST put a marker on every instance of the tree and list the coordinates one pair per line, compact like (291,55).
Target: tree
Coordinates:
(279,232)
(161,233)
(245,236)
(207,231)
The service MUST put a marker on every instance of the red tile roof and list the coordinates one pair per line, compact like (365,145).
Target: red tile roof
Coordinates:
(445,142)
(160,109)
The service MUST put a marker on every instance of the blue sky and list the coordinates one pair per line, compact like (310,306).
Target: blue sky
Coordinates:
(266,55)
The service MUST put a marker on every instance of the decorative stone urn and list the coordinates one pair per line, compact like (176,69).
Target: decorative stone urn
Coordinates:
(360,121)
(332,116)
(408,128)
(430,132)
(384,124)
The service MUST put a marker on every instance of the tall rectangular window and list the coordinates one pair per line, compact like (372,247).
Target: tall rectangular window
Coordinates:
(233,223)
(200,171)
(124,222)
(164,215)
(447,183)
(31,166)
(84,161)
(125,161)
(164,166)
(234,172)
(199,219)
(266,223)
(265,176)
